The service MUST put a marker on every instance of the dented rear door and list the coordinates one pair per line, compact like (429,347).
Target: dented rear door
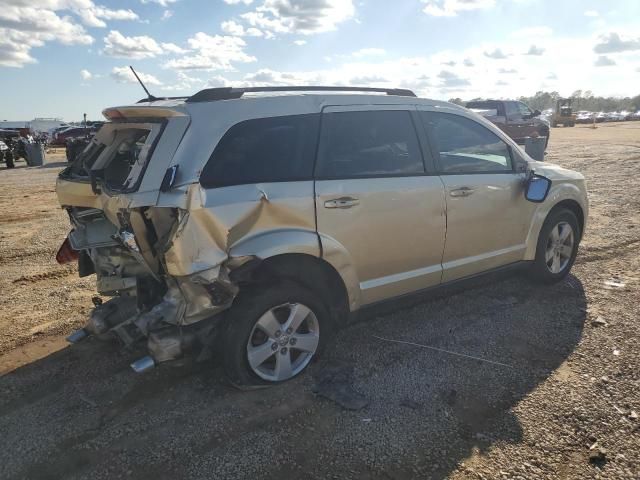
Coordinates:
(255,196)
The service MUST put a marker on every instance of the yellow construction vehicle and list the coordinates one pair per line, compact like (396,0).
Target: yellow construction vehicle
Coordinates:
(563,114)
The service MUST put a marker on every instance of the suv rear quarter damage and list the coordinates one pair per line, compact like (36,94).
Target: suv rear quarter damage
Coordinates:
(172,261)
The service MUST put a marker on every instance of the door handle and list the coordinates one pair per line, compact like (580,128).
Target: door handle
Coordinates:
(461,192)
(342,202)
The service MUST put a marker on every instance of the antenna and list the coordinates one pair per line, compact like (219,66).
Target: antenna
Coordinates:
(150,97)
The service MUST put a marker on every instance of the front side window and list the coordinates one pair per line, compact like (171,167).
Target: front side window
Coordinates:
(512,109)
(368,144)
(524,110)
(273,149)
(465,146)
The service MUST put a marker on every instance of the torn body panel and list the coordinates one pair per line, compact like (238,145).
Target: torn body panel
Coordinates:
(182,258)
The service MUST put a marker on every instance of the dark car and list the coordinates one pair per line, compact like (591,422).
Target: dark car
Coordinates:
(63,136)
(514,118)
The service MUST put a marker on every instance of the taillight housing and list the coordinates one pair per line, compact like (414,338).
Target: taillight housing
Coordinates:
(66,253)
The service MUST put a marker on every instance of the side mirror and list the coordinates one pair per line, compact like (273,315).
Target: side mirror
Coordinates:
(536,113)
(537,188)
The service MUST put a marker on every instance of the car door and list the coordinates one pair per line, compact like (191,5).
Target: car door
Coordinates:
(487,215)
(528,120)
(516,124)
(376,201)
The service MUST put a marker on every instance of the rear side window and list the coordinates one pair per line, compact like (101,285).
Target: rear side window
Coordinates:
(274,149)
(366,144)
(465,146)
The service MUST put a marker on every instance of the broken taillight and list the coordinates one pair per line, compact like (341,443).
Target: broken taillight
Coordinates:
(66,253)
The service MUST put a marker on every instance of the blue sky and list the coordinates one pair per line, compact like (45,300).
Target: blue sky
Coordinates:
(66,57)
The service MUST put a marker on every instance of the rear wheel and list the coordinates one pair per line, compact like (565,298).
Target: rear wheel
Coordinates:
(557,247)
(8,158)
(272,335)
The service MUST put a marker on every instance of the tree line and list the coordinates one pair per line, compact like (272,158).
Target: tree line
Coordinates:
(581,101)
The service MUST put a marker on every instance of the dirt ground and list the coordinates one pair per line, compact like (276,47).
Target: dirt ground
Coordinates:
(566,384)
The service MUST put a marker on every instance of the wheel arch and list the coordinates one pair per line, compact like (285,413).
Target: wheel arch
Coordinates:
(569,203)
(310,271)
(574,207)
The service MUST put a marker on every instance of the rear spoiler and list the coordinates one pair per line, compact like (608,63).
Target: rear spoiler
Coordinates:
(122,113)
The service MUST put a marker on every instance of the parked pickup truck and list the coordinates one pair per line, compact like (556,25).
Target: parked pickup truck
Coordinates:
(514,118)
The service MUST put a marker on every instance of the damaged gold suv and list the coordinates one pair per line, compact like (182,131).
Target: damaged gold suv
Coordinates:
(254,222)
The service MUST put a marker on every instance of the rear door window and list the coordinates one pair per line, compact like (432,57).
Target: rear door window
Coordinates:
(465,146)
(273,149)
(368,144)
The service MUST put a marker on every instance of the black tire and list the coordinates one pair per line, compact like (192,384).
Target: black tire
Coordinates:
(9,160)
(540,271)
(242,317)
(547,134)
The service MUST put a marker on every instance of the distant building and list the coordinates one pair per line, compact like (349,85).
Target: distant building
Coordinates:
(36,125)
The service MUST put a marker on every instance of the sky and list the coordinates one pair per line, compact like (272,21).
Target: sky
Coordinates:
(63,58)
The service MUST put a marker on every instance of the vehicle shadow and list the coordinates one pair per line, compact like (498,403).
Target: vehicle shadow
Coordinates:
(82,413)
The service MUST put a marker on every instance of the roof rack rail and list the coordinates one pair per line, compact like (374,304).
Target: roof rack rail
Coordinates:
(229,93)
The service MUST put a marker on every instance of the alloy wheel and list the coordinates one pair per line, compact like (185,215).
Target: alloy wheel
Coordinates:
(559,248)
(283,342)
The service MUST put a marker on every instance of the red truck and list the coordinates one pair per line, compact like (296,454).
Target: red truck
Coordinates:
(514,118)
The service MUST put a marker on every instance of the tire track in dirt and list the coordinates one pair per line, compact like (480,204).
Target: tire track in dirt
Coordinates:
(39,277)
(588,255)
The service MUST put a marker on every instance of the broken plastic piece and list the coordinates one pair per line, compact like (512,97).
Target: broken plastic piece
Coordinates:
(143,364)
(77,336)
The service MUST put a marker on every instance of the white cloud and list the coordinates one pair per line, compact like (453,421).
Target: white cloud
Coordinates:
(451,8)
(172,48)
(368,52)
(167,14)
(217,52)
(533,50)
(535,32)
(473,75)
(302,17)
(604,61)
(24,27)
(496,54)
(591,13)
(94,15)
(231,27)
(613,43)
(184,83)
(86,74)
(162,3)
(235,2)
(299,42)
(119,46)
(452,80)
(125,75)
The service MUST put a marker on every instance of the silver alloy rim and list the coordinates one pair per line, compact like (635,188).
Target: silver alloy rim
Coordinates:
(559,247)
(283,342)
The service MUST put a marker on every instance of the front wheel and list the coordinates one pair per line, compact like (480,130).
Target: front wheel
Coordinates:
(557,247)
(273,334)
